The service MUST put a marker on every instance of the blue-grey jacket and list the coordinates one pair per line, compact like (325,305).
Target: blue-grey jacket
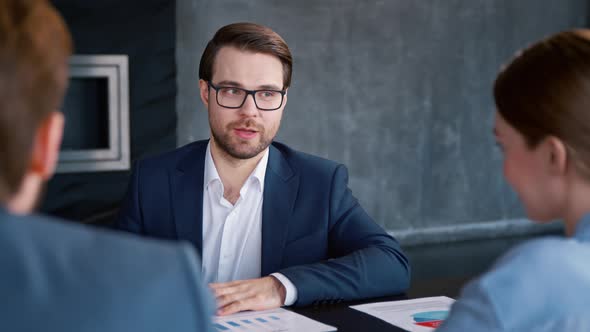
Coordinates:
(59,276)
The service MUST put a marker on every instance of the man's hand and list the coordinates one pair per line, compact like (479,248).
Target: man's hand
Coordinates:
(253,294)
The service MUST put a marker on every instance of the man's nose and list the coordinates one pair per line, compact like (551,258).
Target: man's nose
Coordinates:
(249,107)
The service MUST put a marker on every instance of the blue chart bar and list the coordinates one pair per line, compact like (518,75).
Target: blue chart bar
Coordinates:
(220,327)
(262,320)
(275,317)
(233,324)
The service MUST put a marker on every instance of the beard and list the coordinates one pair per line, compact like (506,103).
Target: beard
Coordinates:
(237,147)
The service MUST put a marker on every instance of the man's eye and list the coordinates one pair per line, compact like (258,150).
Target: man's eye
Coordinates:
(232,91)
(268,94)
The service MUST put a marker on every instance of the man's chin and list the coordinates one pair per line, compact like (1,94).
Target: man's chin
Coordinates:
(244,154)
(239,148)
(246,150)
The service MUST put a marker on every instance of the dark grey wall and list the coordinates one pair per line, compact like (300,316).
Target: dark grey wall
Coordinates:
(144,30)
(399,91)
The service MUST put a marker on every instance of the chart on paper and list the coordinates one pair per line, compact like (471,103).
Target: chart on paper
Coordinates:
(277,320)
(416,315)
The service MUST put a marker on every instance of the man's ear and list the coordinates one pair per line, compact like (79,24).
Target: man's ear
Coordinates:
(285,97)
(204,91)
(557,155)
(46,145)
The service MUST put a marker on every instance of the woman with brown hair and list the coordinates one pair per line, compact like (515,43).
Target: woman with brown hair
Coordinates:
(543,129)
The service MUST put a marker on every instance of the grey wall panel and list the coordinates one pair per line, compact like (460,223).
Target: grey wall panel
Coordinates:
(399,91)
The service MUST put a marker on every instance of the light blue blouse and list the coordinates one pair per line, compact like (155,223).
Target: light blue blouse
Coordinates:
(542,285)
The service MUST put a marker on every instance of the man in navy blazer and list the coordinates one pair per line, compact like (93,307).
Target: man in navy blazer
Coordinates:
(59,276)
(275,226)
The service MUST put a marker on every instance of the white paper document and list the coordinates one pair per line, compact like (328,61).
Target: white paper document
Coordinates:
(269,320)
(416,315)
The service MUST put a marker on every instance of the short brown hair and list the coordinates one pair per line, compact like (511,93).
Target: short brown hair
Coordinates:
(247,37)
(545,91)
(34,50)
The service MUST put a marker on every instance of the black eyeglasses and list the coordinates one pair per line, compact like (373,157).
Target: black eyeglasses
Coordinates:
(232,97)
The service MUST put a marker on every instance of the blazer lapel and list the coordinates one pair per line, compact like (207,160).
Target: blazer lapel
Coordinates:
(187,196)
(280,191)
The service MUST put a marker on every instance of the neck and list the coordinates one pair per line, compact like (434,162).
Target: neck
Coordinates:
(577,204)
(24,201)
(233,171)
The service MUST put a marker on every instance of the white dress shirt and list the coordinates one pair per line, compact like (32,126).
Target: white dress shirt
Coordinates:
(232,234)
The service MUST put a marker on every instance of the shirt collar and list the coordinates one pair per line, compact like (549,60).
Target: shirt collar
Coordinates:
(257,175)
(210,170)
(582,232)
(259,172)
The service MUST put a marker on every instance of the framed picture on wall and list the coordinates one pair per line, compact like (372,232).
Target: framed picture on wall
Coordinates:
(96,108)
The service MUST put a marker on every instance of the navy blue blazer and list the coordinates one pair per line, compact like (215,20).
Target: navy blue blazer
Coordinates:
(59,276)
(313,229)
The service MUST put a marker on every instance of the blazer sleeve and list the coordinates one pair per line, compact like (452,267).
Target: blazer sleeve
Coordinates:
(366,261)
(130,217)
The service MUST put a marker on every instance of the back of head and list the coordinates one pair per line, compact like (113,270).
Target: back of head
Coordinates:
(250,37)
(545,91)
(34,50)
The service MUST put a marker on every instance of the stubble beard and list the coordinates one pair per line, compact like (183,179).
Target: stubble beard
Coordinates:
(240,148)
